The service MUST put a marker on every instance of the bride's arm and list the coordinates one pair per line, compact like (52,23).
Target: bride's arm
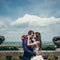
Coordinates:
(29,43)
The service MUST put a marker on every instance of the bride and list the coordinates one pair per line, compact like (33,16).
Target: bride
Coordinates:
(36,47)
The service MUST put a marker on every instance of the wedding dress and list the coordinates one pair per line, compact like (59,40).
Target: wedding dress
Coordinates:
(36,57)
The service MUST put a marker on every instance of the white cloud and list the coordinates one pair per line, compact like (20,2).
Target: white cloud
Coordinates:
(1,24)
(5,20)
(34,23)
(32,20)
(12,32)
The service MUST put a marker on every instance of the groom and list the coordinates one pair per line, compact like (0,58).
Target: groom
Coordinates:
(28,50)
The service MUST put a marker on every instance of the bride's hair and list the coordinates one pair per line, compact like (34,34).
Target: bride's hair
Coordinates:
(38,38)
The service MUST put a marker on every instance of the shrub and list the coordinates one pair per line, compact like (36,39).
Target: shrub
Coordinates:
(51,58)
(9,48)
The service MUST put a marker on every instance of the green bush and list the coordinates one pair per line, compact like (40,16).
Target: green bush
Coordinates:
(51,58)
(15,58)
(48,47)
(2,58)
(8,48)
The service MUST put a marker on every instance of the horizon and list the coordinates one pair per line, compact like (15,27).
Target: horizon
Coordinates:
(20,43)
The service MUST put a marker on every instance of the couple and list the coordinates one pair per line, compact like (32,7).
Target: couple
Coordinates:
(32,45)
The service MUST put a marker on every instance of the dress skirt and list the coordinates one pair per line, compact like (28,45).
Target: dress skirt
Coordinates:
(37,58)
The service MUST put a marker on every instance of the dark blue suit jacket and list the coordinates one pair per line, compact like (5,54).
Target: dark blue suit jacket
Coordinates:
(28,51)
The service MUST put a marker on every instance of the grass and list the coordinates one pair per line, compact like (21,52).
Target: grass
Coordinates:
(2,58)
(13,58)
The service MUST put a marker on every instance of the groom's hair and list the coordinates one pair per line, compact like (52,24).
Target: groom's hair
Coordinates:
(31,31)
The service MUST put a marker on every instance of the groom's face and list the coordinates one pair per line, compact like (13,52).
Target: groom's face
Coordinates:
(32,35)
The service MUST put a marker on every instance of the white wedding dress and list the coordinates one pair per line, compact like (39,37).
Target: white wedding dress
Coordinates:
(37,57)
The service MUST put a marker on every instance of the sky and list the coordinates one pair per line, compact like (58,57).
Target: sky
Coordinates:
(17,17)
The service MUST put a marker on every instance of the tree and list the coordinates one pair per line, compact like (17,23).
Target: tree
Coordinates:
(2,38)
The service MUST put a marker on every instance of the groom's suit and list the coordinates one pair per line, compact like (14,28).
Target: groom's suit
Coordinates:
(28,51)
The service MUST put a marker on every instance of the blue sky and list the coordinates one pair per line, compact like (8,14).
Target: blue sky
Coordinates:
(17,17)
(17,8)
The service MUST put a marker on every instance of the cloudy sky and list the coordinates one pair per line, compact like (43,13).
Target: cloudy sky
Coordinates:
(17,17)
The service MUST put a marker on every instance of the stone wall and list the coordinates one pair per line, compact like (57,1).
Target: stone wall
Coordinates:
(9,54)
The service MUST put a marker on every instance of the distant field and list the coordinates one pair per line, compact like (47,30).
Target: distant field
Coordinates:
(13,43)
(18,46)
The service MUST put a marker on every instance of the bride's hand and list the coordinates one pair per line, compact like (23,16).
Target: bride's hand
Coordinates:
(37,53)
(37,42)
(29,37)
(40,52)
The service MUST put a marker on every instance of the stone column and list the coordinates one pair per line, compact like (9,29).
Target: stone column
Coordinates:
(58,55)
(8,57)
(20,57)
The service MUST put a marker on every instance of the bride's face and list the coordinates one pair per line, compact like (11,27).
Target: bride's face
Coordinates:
(34,36)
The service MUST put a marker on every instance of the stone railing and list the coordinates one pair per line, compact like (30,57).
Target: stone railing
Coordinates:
(45,54)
